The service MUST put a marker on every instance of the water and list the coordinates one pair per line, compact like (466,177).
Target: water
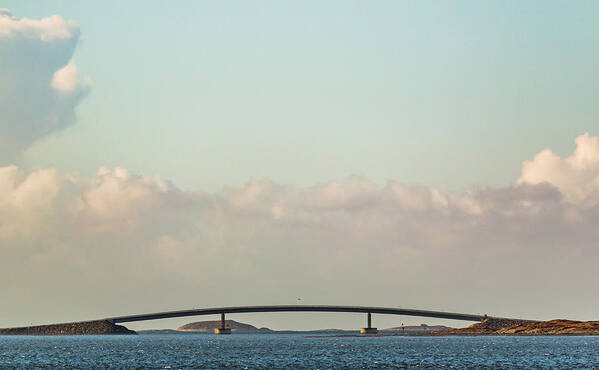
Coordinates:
(296,351)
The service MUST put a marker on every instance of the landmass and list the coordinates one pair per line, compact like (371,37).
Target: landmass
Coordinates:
(521,327)
(73,328)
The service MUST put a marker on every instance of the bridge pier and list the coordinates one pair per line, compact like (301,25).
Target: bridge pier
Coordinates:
(222,329)
(368,329)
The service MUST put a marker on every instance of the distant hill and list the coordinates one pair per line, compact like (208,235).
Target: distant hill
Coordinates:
(209,326)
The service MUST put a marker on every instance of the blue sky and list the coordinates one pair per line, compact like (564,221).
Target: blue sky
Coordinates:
(209,94)
(426,154)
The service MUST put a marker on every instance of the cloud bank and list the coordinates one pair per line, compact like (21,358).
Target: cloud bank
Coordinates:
(39,83)
(140,241)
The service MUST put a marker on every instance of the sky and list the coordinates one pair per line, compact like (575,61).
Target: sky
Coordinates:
(161,156)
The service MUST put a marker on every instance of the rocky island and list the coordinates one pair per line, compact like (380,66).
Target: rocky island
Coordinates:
(208,327)
(73,328)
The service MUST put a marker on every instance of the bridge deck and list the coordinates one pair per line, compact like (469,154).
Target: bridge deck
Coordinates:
(298,308)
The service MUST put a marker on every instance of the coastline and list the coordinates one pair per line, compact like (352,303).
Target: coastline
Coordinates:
(502,327)
(487,327)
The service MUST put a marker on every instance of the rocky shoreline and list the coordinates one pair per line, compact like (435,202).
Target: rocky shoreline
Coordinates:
(515,327)
(102,327)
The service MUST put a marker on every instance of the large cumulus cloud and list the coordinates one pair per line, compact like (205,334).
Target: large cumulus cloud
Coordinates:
(140,241)
(39,83)
(577,176)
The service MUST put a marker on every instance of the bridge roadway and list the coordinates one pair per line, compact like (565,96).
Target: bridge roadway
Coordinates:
(298,308)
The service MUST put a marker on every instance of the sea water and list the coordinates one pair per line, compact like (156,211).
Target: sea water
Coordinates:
(295,351)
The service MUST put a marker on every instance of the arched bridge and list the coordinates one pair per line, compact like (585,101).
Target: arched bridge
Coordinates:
(298,308)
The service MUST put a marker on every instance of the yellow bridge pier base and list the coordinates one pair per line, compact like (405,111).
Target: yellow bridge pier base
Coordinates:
(222,329)
(368,329)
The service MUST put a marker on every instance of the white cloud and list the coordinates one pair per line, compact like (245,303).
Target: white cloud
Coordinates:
(354,192)
(39,84)
(116,193)
(418,198)
(26,202)
(66,80)
(47,29)
(576,176)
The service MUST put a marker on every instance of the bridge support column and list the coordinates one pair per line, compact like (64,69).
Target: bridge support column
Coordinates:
(368,329)
(222,329)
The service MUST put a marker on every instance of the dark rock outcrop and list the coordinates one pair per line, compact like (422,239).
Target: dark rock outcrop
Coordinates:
(488,326)
(73,328)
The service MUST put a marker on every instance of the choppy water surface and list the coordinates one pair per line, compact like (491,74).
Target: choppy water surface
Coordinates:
(297,351)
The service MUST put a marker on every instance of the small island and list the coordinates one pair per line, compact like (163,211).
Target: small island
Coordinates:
(74,328)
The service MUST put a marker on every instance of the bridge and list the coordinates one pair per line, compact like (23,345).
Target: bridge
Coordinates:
(299,308)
